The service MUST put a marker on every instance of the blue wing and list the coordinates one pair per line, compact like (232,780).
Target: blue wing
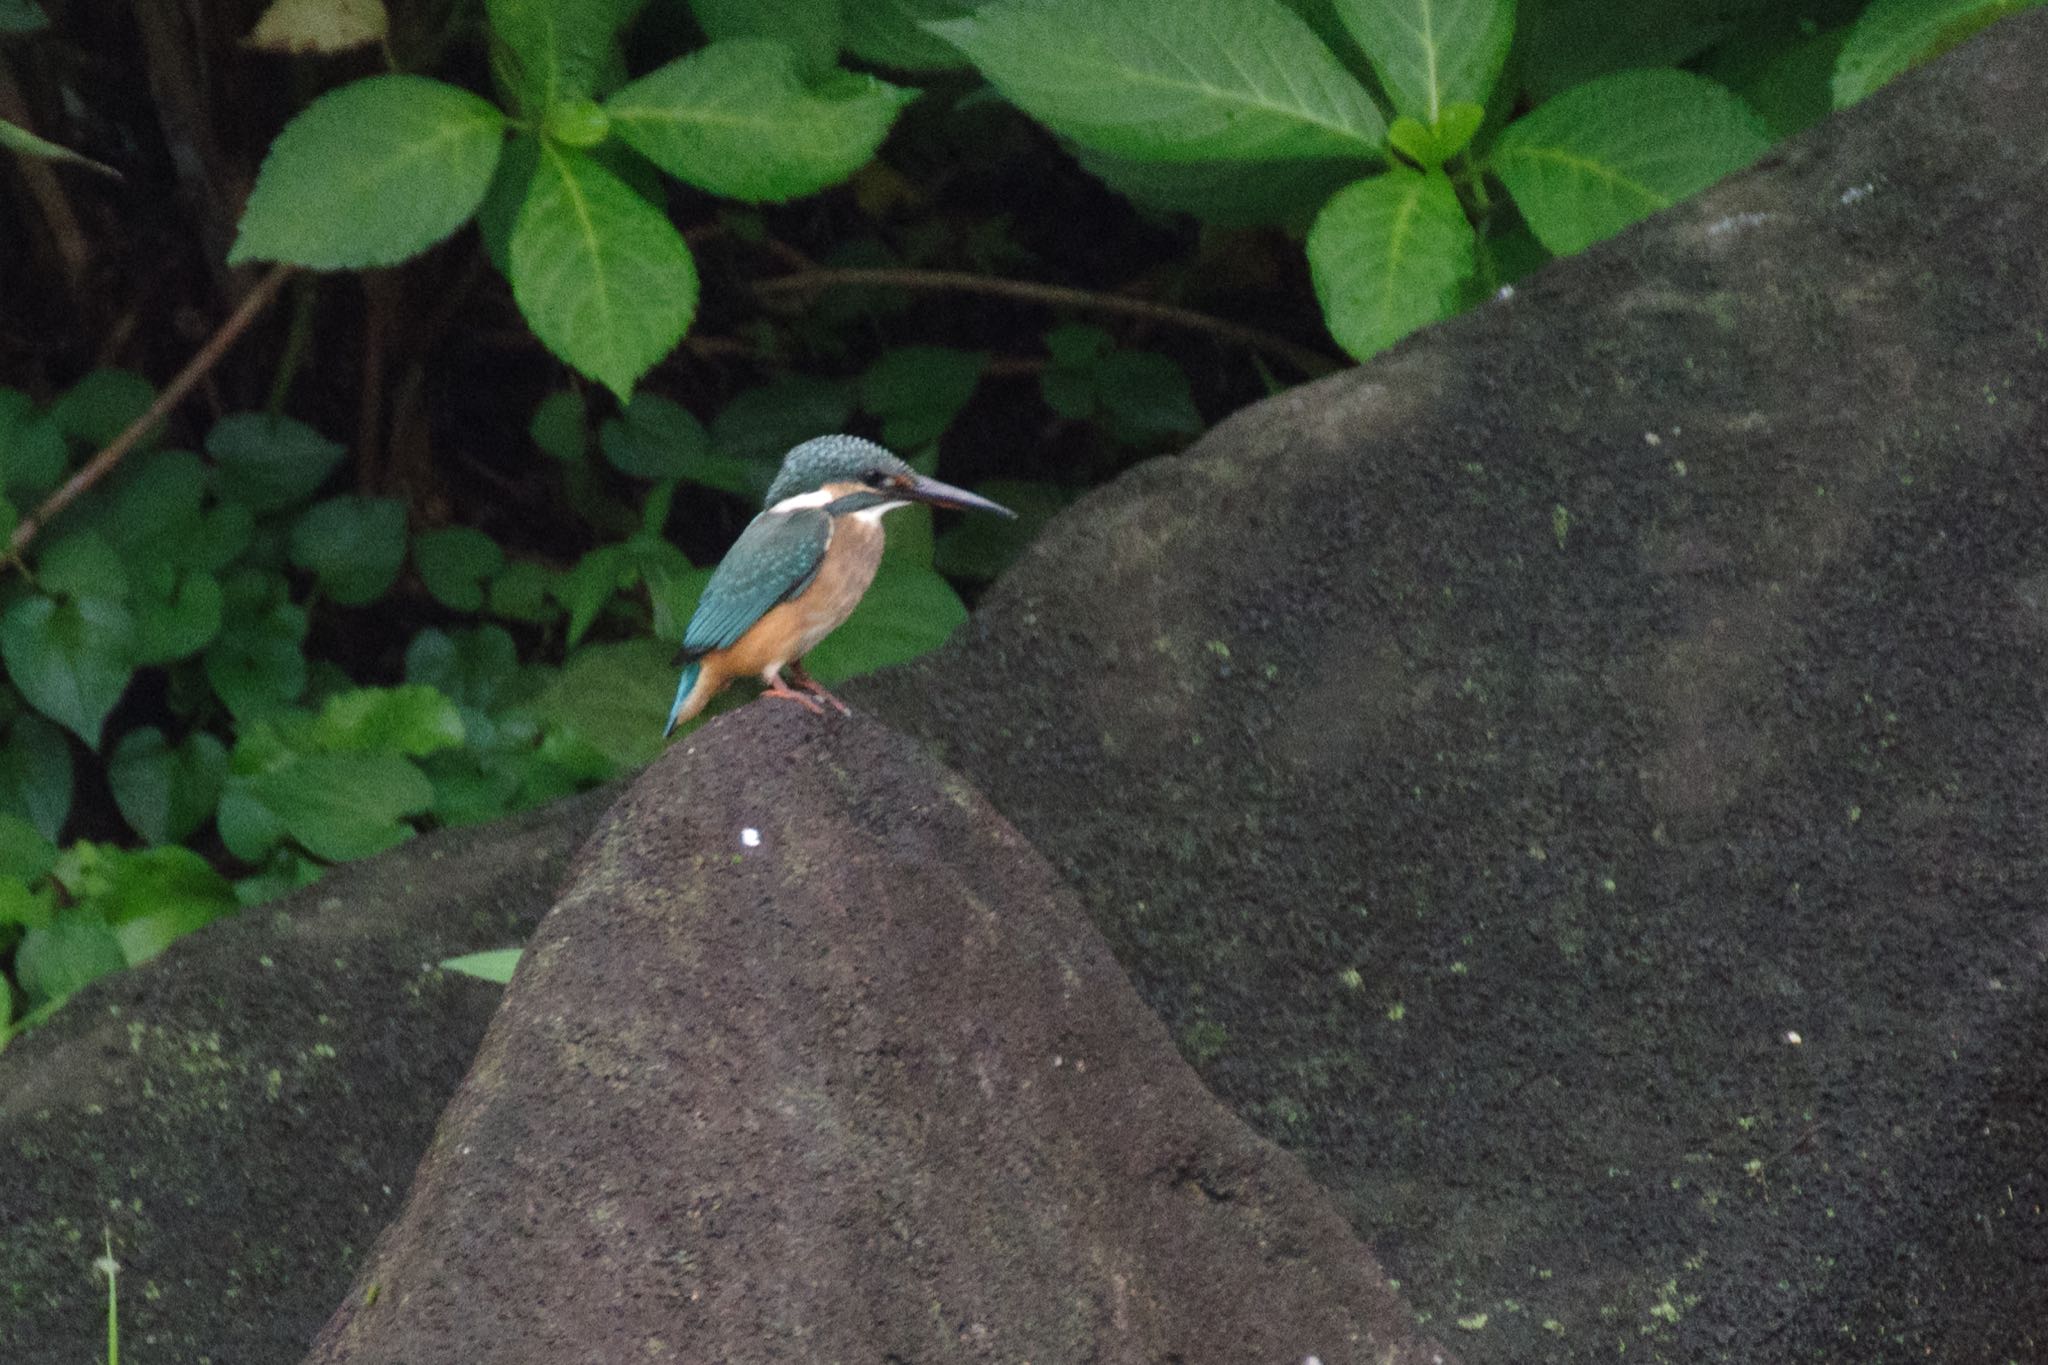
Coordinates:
(774,559)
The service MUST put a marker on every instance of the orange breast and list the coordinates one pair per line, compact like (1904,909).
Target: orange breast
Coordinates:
(794,628)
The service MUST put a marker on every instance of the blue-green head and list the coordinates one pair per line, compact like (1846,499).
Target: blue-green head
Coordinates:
(847,474)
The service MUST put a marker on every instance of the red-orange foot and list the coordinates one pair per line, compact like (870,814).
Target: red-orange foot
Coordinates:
(809,684)
(781,689)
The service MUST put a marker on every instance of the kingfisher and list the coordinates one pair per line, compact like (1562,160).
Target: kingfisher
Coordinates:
(799,569)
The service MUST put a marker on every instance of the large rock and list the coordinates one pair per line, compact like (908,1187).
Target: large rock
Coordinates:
(243,1115)
(1578,780)
(815,1060)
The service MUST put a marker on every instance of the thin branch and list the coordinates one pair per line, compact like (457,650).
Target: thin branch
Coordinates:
(1310,362)
(100,465)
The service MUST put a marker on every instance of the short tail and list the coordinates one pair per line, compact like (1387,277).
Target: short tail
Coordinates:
(685,705)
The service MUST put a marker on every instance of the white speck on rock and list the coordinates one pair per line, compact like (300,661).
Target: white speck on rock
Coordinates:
(751,837)
(1737,222)
(1858,192)
(1792,1037)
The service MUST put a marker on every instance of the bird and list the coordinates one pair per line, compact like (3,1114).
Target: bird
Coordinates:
(798,570)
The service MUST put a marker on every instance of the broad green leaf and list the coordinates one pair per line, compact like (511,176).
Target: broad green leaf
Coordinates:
(249,829)
(342,806)
(1564,43)
(1388,255)
(156,896)
(895,33)
(808,28)
(166,793)
(71,660)
(454,563)
(496,965)
(32,453)
(524,591)
(300,26)
(980,548)
(24,852)
(653,438)
(371,174)
(613,699)
(589,587)
(602,276)
(268,462)
(16,138)
(259,664)
(1430,54)
(75,950)
(1782,73)
(35,774)
(414,719)
(906,612)
(1200,80)
(762,423)
(1145,396)
(22,16)
(1225,193)
(102,405)
(1892,35)
(1613,151)
(176,614)
(156,506)
(917,391)
(560,48)
(354,545)
(83,565)
(738,119)
(560,425)
(284,873)
(473,668)
(24,906)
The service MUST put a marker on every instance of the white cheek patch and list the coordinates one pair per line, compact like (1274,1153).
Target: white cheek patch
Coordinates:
(817,497)
(873,515)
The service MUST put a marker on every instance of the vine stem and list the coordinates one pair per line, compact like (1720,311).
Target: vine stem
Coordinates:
(101,464)
(1308,361)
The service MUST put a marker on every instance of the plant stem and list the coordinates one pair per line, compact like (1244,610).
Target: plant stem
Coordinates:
(1308,361)
(101,464)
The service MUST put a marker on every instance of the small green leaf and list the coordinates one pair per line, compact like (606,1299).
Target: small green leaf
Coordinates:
(371,174)
(258,664)
(496,965)
(1892,35)
(341,806)
(893,33)
(164,793)
(1388,255)
(249,829)
(32,452)
(808,28)
(16,138)
(579,123)
(1199,80)
(1454,132)
(154,897)
(654,438)
(35,774)
(906,612)
(24,852)
(472,668)
(27,907)
(414,719)
(1412,139)
(1430,54)
(454,563)
(525,592)
(738,119)
(270,462)
(1615,150)
(589,587)
(354,545)
(561,426)
(602,276)
(917,391)
(102,405)
(83,565)
(71,660)
(761,424)
(176,615)
(1145,396)
(612,698)
(559,48)
(55,962)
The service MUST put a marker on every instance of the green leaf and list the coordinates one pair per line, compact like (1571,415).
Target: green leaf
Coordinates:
(906,612)
(613,698)
(156,505)
(16,138)
(71,660)
(35,774)
(102,405)
(1146,396)
(83,565)
(809,28)
(341,806)
(1225,193)
(248,828)
(560,48)
(22,16)
(1388,255)
(894,33)
(454,563)
(561,426)
(258,664)
(1615,150)
(472,668)
(1430,54)
(525,592)
(654,438)
(1200,80)
(1564,43)
(1892,35)
(32,452)
(738,119)
(23,906)
(414,719)
(370,175)
(154,897)
(24,852)
(980,548)
(284,873)
(589,587)
(917,391)
(270,462)
(761,424)
(176,615)
(602,276)
(354,545)
(496,965)
(74,951)
(166,793)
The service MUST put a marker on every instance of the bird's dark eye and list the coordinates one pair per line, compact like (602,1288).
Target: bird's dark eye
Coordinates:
(874,478)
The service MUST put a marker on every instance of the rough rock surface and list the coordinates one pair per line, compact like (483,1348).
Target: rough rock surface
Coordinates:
(814,1061)
(1578,780)
(243,1115)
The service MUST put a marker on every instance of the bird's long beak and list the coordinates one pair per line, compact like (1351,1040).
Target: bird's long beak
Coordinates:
(939,494)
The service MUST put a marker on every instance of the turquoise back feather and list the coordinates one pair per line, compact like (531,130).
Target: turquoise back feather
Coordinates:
(689,680)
